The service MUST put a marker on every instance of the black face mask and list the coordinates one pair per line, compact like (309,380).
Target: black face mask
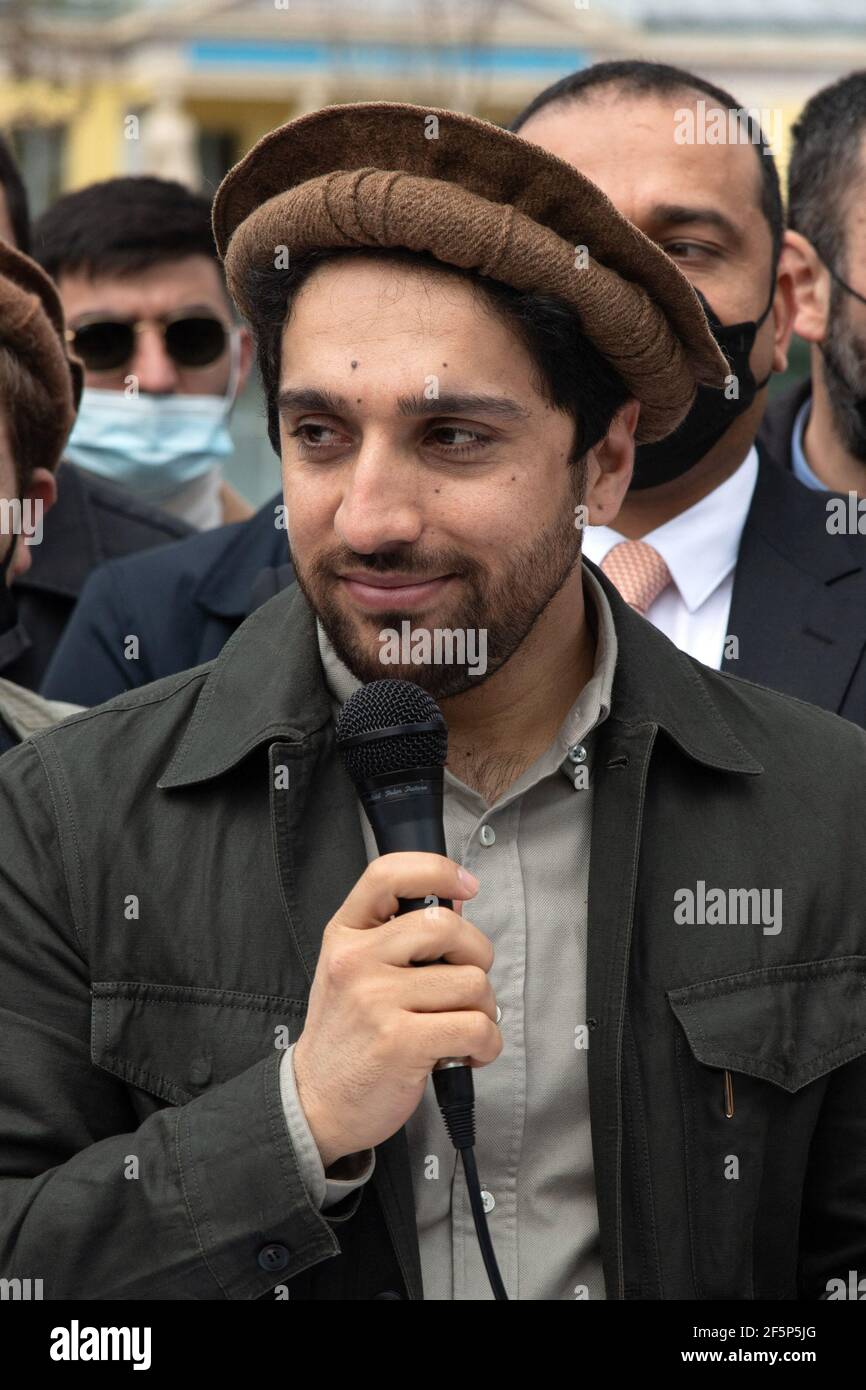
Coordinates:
(711,413)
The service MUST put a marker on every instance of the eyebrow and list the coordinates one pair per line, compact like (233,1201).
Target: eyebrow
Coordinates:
(321,402)
(680,214)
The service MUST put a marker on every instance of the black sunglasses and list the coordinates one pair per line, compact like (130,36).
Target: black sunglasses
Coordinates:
(191,341)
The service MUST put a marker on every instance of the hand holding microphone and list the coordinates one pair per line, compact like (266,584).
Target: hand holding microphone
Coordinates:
(375,1029)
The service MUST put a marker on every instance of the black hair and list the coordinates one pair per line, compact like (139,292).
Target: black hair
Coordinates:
(572,375)
(826,167)
(16,197)
(641,78)
(121,226)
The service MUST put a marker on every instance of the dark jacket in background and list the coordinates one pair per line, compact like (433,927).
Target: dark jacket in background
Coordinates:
(92,521)
(183,604)
(799,602)
(777,426)
(156,1035)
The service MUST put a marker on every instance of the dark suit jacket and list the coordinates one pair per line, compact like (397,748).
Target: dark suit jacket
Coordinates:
(182,603)
(92,521)
(777,426)
(799,601)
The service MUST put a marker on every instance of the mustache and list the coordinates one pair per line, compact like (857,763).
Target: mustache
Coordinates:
(406,562)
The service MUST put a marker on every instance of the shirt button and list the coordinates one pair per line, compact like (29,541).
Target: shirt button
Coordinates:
(498,1013)
(488,835)
(273,1258)
(488,1200)
(577,753)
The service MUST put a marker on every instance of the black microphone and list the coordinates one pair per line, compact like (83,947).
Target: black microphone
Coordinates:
(394,742)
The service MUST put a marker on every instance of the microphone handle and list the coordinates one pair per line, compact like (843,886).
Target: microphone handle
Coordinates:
(405,812)
(415,905)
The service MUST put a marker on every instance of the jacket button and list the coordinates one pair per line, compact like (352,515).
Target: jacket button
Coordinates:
(389,1293)
(273,1258)
(200,1070)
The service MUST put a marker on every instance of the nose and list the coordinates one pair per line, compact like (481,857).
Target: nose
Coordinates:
(379,510)
(151,365)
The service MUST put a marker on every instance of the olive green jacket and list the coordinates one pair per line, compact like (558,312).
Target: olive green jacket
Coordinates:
(169,862)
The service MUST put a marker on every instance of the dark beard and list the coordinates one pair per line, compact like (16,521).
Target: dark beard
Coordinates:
(845,376)
(507,610)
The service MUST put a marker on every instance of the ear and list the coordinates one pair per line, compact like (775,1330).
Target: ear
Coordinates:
(609,467)
(42,491)
(811,285)
(784,306)
(245,360)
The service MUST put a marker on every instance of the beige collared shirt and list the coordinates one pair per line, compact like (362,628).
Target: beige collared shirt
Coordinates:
(530,852)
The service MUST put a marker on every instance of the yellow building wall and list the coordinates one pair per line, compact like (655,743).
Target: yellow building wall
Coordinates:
(94,142)
(248,120)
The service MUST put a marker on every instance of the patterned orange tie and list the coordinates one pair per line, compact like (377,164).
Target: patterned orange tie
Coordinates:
(638,571)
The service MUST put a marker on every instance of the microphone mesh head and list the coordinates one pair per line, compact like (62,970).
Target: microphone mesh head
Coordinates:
(383,705)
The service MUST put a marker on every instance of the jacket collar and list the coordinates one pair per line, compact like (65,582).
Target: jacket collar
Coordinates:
(226,588)
(777,425)
(86,510)
(62,566)
(268,683)
(802,538)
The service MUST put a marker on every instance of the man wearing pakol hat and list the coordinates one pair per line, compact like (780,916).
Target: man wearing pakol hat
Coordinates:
(460,340)
(40,387)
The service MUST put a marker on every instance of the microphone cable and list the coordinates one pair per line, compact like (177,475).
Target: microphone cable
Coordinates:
(455,1092)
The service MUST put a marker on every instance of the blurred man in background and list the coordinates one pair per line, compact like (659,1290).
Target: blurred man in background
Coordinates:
(91,521)
(164,360)
(818,429)
(727,554)
(39,391)
(121,250)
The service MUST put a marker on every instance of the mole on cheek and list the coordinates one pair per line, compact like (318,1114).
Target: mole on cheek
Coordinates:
(354,365)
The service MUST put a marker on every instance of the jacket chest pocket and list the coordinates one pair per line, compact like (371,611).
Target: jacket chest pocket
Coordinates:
(754,1055)
(174,1041)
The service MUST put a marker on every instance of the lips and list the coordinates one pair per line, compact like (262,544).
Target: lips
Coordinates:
(380,593)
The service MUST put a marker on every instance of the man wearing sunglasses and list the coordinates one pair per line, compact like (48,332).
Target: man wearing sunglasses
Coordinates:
(818,429)
(164,359)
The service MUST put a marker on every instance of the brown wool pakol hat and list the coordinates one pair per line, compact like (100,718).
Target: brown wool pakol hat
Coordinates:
(32,327)
(479,197)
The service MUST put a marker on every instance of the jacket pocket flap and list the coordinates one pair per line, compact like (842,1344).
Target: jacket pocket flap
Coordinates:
(788,1024)
(175,1040)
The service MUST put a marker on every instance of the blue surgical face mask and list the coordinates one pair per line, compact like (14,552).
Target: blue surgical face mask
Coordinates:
(154,445)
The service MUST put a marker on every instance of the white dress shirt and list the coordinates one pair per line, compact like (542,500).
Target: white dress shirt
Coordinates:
(700,548)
